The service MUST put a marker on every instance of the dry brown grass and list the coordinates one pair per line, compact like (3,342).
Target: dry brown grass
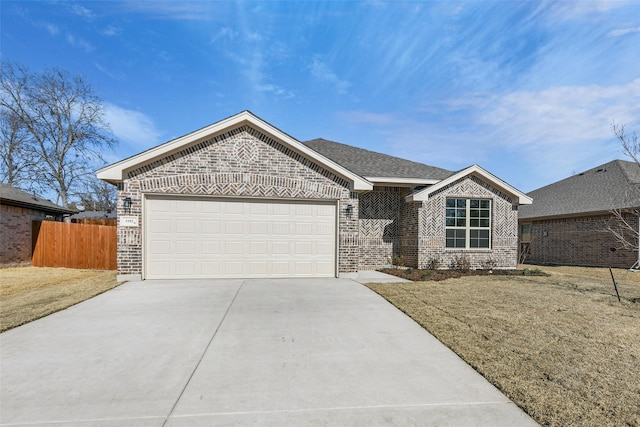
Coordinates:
(29,293)
(562,347)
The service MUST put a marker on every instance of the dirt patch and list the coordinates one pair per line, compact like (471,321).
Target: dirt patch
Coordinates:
(29,293)
(562,347)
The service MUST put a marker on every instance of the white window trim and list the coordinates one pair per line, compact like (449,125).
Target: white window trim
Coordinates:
(468,226)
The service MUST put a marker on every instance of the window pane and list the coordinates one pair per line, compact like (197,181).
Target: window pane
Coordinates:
(451,233)
(461,213)
(484,213)
(474,222)
(461,203)
(461,222)
(474,213)
(451,212)
(484,204)
(451,222)
(451,203)
(474,203)
(484,223)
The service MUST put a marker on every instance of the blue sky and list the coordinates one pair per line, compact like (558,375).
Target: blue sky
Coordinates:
(527,90)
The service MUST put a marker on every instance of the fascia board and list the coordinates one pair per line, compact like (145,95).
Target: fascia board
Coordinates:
(115,172)
(423,195)
(408,182)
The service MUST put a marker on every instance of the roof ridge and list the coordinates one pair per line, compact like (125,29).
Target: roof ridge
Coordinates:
(625,172)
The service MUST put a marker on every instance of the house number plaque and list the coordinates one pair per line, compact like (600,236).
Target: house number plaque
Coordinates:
(128,221)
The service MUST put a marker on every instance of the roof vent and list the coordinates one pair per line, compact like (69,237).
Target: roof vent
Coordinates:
(601,170)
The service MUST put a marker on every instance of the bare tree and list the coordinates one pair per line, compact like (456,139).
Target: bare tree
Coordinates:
(625,222)
(14,163)
(65,123)
(98,196)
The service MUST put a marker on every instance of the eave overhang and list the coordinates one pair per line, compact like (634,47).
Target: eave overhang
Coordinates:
(400,182)
(117,172)
(519,197)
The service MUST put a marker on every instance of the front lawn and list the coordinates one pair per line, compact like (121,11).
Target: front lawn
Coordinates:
(29,293)
(562,347)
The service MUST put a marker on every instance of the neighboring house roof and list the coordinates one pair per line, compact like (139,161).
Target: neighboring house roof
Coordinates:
(613,185)
(116,172)
(378,167)
(95,215)
(15,197)
(519,197)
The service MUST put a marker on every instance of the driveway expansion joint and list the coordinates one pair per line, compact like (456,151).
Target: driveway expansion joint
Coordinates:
(204,352)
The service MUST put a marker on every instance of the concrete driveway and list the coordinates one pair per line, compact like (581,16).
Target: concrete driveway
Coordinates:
(239,352)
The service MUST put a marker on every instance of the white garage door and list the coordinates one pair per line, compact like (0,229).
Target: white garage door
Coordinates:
(194,238)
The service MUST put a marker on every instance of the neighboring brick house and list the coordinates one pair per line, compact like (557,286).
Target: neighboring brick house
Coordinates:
(18,210)
(568,223)
(240,198)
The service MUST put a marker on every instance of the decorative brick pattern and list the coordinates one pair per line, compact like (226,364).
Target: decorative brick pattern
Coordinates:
(223,166)
(243,162)
(582,241)
(16,241)
(504,233)
(379,227)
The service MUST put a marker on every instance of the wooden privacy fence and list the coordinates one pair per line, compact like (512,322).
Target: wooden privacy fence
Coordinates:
(61,244)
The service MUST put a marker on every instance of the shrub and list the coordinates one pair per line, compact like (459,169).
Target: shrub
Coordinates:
(397,260)
(489,264)
(460,262)
(433,263)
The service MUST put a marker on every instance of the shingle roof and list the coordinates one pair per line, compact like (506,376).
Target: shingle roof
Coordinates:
(371,164)
(15,197)
(613,185)
(95,215)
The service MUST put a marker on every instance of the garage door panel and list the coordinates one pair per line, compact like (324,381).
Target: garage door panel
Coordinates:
(238,238)
(211,226)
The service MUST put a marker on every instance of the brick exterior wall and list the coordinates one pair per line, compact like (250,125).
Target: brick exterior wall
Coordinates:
(381,226)
(581,241)
(16,239)
(243,162)
(504,227)
(239,162)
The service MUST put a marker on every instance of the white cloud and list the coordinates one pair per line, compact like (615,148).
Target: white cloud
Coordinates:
(624,31)
(132,127)
(79,43)
(322,72)
(562,115)
(276,90)
(111,30)
(82,11)
(225,33)
(51,28)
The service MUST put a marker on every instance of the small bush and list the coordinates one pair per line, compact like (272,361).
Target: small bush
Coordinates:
(397,260)
(533,272)
(489,264)
(433,263)
(460,262)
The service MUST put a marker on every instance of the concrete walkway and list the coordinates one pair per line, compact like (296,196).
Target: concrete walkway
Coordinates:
(305,352)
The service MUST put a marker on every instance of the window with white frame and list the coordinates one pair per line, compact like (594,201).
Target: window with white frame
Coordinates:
(468,223)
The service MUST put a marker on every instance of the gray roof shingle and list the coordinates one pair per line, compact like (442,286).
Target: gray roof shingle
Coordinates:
(369,163)
(613,185)
(15,197)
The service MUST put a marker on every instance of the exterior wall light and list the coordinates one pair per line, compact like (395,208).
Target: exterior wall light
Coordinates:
(127,204)
(349,210)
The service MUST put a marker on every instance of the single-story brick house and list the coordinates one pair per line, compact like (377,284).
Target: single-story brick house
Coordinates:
(568,223)
(241,198)
(18,210)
